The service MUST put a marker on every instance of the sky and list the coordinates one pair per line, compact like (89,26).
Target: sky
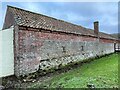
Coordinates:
(80,13)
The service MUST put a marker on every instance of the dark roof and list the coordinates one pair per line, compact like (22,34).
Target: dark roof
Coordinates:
(35,20)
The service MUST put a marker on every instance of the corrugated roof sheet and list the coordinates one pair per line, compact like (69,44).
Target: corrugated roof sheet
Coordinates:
(35,20)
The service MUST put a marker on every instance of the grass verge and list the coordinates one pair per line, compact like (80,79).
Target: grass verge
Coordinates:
(102,73)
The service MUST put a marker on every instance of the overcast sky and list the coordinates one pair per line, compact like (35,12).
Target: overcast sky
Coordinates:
(79,13)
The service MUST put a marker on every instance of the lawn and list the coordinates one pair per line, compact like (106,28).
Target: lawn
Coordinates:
(102,73)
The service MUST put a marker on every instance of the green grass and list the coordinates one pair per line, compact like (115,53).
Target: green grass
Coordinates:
(102,72)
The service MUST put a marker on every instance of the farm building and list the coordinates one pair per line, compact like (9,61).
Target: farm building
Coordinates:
(33,41)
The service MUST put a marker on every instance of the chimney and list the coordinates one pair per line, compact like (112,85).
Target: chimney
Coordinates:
(96,27)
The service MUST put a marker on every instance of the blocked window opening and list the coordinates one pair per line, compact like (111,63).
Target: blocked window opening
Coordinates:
(64,49)
(82,48)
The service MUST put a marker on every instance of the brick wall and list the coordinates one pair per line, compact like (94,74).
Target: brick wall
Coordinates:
(46,50)
(107,40)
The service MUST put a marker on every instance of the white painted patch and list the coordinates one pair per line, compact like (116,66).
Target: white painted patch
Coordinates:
(0,53)
(6,53)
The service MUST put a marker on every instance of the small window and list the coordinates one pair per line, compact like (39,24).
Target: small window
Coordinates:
(64,50)
(82,48)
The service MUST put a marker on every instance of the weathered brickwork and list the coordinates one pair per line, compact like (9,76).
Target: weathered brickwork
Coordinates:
(42,50)
(107,40)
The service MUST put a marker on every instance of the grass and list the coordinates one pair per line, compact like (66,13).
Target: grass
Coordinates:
(102,73)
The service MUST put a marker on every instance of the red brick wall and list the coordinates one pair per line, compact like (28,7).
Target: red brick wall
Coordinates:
(106,40)
(35,46)
(55,36)
(31,41)
(30,47)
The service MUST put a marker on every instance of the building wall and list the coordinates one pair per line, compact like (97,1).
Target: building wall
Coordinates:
(17,63)
(45,50)
(117,47)
(6,52)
